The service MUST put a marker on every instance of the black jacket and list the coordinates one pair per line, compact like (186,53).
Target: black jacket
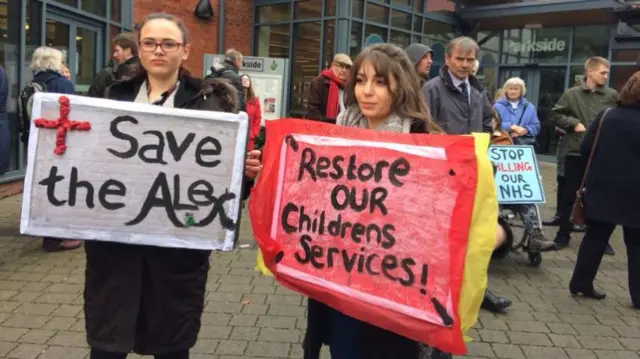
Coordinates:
(109,75)
(613,193)
(228,71)
(150,299)
(451,109)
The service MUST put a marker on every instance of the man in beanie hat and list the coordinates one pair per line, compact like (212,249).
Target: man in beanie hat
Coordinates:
(422,58)
(326,98)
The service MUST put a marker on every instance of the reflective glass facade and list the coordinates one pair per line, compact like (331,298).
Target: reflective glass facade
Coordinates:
(310,32)
(80,28)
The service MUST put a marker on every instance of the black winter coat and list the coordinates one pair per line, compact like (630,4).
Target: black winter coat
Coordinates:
(613,191)
(150,299)
(229,72)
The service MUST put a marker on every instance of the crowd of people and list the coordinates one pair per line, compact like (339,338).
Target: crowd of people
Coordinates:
(149,300)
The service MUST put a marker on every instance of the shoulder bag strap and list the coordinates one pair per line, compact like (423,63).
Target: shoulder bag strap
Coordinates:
(593,148)
(524,109)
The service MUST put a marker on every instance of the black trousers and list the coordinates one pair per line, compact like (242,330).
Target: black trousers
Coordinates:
(573,172)
(98,354)
(560,182)
(592,249)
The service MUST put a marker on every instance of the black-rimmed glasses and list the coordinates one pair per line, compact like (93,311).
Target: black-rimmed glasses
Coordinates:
(166,45)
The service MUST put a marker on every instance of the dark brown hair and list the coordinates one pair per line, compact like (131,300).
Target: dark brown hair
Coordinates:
(164,16)
(388,61)
(630,94)
(126,40)
(250,95)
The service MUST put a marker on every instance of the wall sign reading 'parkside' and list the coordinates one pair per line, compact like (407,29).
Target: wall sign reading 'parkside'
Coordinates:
(545,45)
(253,63)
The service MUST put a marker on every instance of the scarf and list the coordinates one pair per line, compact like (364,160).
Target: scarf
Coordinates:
(333,104)
(352,117)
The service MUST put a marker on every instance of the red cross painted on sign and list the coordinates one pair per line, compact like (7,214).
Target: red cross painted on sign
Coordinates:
(63,125)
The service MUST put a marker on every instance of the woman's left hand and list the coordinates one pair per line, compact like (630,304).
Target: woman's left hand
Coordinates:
(252,164)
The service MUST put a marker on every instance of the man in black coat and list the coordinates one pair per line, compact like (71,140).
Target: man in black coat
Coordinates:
(125,54)
(230,69)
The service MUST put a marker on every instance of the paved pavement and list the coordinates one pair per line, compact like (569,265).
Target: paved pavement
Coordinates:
(249,316)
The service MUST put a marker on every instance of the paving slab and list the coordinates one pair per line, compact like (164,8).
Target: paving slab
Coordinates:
(250,316)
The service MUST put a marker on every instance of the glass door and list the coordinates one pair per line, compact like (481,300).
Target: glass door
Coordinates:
(550,86)
(82,44)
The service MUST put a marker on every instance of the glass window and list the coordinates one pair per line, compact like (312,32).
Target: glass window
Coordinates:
(327,46)
(437,35)
(489,49)
(113,32)
(403,3)
(374,34)
(272,41)
(488,77)
(306,51)
(575,74)
(546,45)
(357,8)
(400,38)
(98,7)
(85,66)
(377,13)
(272,13)
(116,10)
(355,39)
(625,56)
(10,38)
(401,19)
(590,41)
(417,23)
(620,75)
(417,6)
(73,3)
(308,9)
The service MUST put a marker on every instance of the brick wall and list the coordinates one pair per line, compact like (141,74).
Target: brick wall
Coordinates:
(11,188)
(203,35)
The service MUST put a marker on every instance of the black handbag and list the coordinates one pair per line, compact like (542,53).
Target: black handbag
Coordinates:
(524,140)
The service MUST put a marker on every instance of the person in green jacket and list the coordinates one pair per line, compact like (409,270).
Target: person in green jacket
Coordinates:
(573,113)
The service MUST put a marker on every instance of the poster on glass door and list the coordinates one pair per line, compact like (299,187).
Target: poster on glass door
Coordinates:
(269,78)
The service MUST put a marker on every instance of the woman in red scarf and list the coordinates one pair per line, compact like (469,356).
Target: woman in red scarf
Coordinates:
(325,100)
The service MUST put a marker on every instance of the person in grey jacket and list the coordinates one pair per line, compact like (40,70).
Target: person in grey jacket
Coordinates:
(456,99)
(422,57)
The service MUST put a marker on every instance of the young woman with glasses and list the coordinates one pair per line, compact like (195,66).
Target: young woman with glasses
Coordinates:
(149,299)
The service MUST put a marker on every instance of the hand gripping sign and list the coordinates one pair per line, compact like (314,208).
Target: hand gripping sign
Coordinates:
(374,224)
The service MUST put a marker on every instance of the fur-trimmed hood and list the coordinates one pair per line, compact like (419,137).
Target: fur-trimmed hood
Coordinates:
(192,93)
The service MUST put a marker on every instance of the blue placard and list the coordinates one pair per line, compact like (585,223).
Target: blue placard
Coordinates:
(517,176)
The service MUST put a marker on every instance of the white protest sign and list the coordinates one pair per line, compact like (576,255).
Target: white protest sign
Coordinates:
(141,174)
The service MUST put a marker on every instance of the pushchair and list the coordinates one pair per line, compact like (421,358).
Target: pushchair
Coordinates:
(506,218)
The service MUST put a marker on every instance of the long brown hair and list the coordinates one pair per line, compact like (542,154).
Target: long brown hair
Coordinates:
(388,61)
(630,94)
(249,94)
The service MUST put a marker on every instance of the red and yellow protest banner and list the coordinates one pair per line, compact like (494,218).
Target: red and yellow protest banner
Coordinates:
(377,225)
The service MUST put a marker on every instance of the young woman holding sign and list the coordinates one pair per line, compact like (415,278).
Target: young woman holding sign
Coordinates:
(149,299)
(383,94)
